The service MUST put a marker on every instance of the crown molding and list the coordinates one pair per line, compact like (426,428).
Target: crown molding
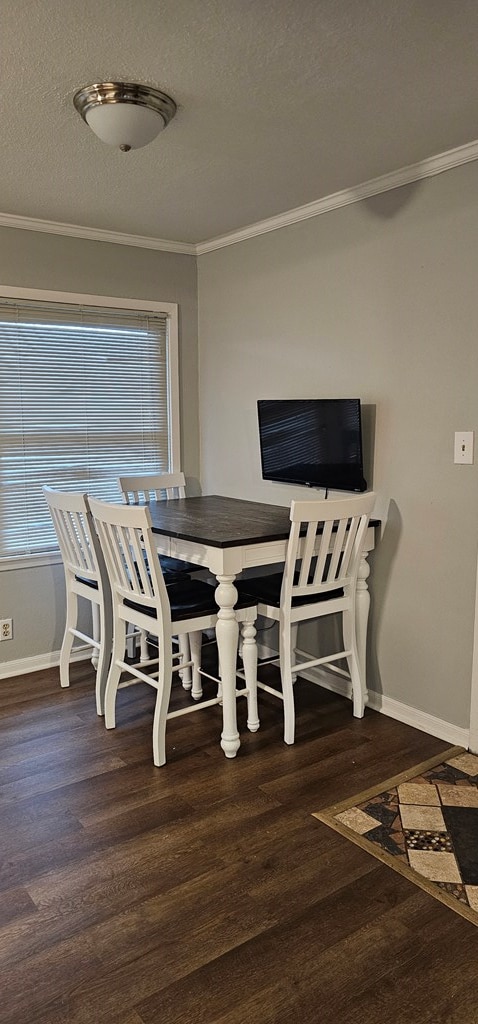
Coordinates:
(395,179)
(52,227)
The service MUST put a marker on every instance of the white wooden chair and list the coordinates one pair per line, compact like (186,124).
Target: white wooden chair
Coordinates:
(319,578)
(85,576)
(148,487)
(141,597)
(152,486)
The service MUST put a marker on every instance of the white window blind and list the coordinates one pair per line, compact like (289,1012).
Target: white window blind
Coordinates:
(84,397)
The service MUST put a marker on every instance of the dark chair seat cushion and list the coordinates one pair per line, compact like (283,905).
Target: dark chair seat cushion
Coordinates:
(169,576)
(189,598)
(266,590)
(88,583)
(175,565)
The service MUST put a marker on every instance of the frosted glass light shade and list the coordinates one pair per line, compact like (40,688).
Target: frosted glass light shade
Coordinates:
(124,114)
(125,124)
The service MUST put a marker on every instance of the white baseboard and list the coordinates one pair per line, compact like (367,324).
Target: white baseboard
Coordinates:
(419,719)
(36,663)
(386,705)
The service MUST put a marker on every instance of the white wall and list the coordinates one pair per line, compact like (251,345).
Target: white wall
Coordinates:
(34,597)
(377,300)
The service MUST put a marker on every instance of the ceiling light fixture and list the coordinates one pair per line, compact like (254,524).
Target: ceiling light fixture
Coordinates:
(124,114)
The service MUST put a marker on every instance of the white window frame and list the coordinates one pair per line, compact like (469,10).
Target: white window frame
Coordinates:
(170,310)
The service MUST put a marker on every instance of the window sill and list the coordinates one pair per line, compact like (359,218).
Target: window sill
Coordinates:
(30,561)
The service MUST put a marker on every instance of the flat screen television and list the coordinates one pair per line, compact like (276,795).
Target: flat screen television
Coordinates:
(312,441)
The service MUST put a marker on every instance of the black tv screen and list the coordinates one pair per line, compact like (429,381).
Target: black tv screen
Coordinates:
(312,441)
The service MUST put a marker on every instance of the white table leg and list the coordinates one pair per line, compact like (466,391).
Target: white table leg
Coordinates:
(227,634)
(362,605)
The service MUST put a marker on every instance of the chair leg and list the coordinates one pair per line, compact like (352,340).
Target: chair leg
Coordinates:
(185,673)
(162,704)
(143,642)
(195,643)
(359,686)
(106,640)
(114,674)
(95,618)
(130,644)
(294,629)
(249,659)
(287,682)
(68,638)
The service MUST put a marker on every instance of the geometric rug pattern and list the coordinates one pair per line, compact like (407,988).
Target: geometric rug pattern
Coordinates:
(424,824)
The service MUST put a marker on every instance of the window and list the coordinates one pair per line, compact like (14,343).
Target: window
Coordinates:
(87,391)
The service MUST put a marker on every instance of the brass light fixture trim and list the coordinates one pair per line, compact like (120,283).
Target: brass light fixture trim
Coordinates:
(95,105)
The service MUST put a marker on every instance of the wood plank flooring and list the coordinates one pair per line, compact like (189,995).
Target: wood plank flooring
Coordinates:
(204,891)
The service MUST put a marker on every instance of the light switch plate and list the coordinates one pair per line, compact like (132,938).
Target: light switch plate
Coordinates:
(464,443)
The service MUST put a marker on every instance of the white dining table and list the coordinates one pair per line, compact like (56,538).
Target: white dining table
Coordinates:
(226,536)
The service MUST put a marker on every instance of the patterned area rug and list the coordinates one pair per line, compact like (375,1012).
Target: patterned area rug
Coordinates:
(424,824)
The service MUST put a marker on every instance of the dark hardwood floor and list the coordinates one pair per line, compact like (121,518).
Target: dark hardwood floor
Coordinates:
(205,891)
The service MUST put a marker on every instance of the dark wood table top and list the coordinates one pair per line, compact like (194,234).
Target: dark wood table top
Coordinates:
(219,521)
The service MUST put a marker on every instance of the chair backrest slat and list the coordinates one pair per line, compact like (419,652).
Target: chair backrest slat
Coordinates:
(307,553)
(113,554)
(125,541)
(152,486)
(336,559)
(325,544)
(350,546)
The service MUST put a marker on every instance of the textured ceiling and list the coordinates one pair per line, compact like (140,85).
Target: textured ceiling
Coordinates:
(280,103)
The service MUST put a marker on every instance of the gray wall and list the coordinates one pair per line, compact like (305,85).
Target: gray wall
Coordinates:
(29,259)
(376,300)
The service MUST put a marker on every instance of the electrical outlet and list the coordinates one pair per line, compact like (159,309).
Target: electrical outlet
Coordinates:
(6,629)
